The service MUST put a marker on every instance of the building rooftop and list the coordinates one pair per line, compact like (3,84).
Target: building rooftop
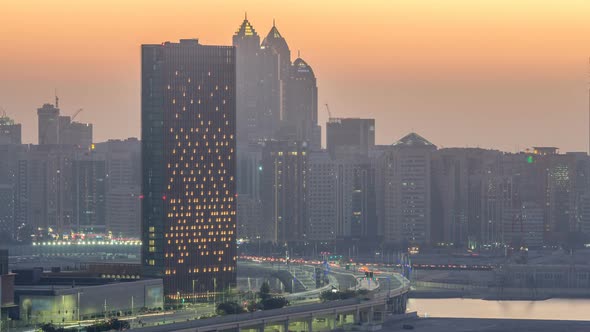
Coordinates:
(274,38)
(302,67)
(274,32)
(414,140)
(246,29)
(6,121)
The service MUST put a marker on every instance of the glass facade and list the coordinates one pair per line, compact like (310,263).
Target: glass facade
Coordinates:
(188,155)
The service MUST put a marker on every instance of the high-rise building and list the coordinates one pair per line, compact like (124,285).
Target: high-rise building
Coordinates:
(363,224)
(459,195)
(10,132)
(249,174)
(525,226)
(300,120)
(548,179)
(350,132)
(89,192)
(74,133)
(276,99)
(580,189)
(276,43)
(45,187)
(48,124)
(341,199)
(584,210)
(123,186)
(284,191)
(257,87)
(57,129)
(4,262)
(189,166)
(247,45)
(322,198)
(7,207)
(9,181)
(406,177)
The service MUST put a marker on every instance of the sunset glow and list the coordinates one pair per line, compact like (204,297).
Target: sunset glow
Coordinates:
(431,66)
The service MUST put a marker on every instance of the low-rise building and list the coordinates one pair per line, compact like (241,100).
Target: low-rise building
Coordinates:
(99,291)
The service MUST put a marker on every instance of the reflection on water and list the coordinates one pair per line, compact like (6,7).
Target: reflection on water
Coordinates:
(558,309)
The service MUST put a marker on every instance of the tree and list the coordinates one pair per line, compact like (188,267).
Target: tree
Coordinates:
(118,325)
(51,328)
(264,291)
(340,295)
(274,303)
(253,306)
(229,308)
(329,296)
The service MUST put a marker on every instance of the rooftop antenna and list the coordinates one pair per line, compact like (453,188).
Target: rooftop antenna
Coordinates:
(246,16)
(56,99)
(299,53)
(273,22)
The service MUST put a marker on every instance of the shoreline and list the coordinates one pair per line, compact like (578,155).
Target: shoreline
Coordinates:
(436,324)
(519,295)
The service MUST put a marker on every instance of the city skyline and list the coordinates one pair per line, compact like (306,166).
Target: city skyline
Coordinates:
(528,80)
(294,166)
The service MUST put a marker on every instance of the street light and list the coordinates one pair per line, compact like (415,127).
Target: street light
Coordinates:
(214,291)
(194,297)
(78,306)
(389,287)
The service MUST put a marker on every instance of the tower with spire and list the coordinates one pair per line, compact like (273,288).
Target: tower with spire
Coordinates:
(276,43)
(247,44)
(276,106)
(258,87)
(301,112)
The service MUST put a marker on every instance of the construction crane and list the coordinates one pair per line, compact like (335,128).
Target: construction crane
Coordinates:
(76,114)
(329,113)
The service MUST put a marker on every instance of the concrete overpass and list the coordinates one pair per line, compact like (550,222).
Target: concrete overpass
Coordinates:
(367,313)
(285,276)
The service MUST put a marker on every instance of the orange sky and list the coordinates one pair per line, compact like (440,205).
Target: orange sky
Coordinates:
(505,74)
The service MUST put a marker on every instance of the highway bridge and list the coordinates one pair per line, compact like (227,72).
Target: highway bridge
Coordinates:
(366,313)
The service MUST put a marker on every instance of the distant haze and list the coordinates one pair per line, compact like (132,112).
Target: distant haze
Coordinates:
(500,74)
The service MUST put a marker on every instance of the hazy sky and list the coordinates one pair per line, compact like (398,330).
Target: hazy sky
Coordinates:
(501,73)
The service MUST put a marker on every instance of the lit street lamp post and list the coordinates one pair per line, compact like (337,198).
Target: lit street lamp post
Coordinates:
(194,297)
(78,307)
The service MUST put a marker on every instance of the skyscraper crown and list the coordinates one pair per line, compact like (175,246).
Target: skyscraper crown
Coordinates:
(414,140)
(246,29)
(274,39)
(302,68)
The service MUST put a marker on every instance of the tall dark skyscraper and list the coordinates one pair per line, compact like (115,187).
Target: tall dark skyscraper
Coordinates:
(258,88)
(123,186)
(274,42)
(284,192)
(48,124)
(301,111)
(89,192)
(247,44)
(188,156)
